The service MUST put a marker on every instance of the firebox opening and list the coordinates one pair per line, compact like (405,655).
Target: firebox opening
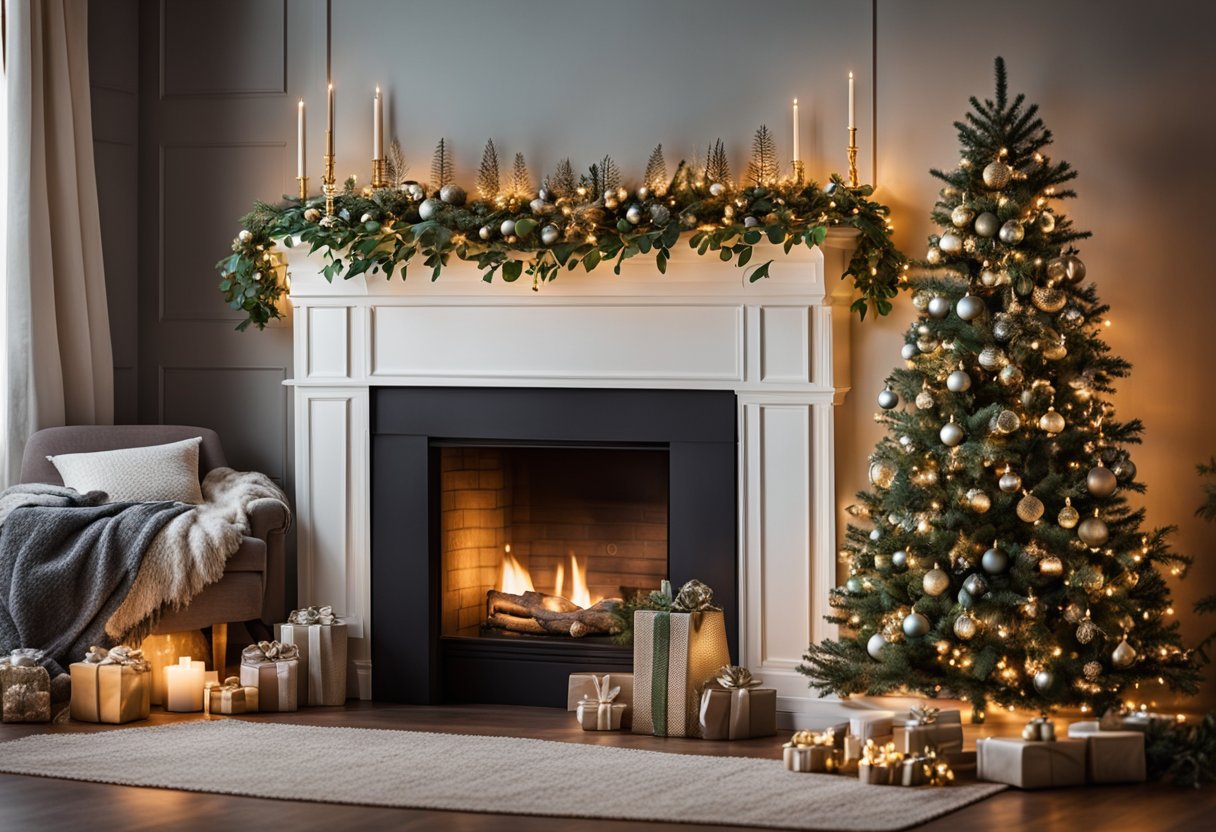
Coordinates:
(573,526)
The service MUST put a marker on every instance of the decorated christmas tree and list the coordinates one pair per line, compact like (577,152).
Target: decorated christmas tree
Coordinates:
(997,558)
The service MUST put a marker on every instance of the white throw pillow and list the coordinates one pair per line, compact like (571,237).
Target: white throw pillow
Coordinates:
(148,474)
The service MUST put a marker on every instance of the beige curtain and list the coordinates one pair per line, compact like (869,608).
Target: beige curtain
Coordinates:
(57,367)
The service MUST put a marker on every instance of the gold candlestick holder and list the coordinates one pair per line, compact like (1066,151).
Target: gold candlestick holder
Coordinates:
(303,180)
(799,172)
(853,183)
(328,188)
(379,173)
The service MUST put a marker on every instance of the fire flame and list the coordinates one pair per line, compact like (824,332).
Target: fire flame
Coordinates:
(579,594)
(515,577)
(517,580)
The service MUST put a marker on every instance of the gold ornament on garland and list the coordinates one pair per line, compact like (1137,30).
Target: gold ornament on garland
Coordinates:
(1068,516)
(1030,508)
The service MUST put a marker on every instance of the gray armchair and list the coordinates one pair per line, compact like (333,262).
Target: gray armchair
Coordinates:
(253,585)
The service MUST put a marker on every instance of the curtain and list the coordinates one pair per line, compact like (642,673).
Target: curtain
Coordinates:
(57,367)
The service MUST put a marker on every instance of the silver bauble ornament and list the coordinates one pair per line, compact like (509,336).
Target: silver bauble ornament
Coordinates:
(952,434)
(244,235)
(485,232)
(924,400)
(1010,482)
(1101,481)
(989,278)
(899,559)
(550,234)
(995,561)
(414,191)
(978,501)
(991,358)
(1092,670)
(958,382)
(965,626)
(934,255)
(1048,298)
(1051,421)
(1068,516)
(1012,233)
(545,194)
(1002,328)
(1071,317)
(1010,375)
(882,473)
(1007,421)
(1044,681)
(854,585)
(975,585)
(452,194)
(1093,532)
(969,307)
(717,189)
(909,351)
(915,625)
(366,217)
(920,301)
(659,214)
(950,243)
(875,644)
(1030,508)
(507,228)
(430,208)
(927,344)
(1123,655)
(888,399)
(1074,269)
(1047,222)
(961,216)
(936,581)
(997,175)
(538,206)
(750,222)
(939,307)
(875,534)
(1124,469)
(987,224)
(633,215)
(1057,269)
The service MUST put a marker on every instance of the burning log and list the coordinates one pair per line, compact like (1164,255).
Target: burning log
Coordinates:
(539,613)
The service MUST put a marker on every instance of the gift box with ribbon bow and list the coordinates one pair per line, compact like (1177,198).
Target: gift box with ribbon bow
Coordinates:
(322,642)
(582,686)
(229,698)
(600,712)
(112,686)
(810,751)
(1040,729)
(873,725)
(273,668)
(930,728)
(880,764)
(1030,764)
(1111,756)
(25,687)
(735,707)
(675,652)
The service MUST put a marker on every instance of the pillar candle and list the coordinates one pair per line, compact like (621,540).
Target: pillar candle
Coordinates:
(329,129)
(852,104)
(377,127)
(184,685)
(795,129)
(300,154)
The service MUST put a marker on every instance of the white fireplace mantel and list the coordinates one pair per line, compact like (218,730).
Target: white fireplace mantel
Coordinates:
(781,344)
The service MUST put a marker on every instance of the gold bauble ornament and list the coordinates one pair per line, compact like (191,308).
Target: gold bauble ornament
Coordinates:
(1010,375)
(1055,350)
(1030,508)
(965,626)
(1048,299)
(934,256)
(1086,630)
(1051,566)
(1007,421)
(978,501)
(924,400)
(1047,222)
(1092,670)
(1068,516)
(1010,482)
(882,473)
(997,174)
(961,216)
(1123,655)
(1051,421)
(936,581)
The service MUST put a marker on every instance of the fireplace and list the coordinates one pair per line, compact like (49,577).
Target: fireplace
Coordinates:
(571,496)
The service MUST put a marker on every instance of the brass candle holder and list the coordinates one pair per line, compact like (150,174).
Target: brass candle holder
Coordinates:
(328,188)
(799,171)
(853,183)
(303,180)
(379,173)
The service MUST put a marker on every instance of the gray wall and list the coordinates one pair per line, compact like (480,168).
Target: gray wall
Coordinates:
(1123,93)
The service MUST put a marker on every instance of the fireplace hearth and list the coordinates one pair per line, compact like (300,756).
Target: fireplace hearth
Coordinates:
(483,498)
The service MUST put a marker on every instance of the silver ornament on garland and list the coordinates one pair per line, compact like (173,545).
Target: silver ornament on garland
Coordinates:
(507,228)
(717,189)
(924,400)
(1002,327)
(965,626)
(991,358)
(550,234)
(1068,516)
(882,473)
(1051,421)
(915,625)
(961,216)
(430,208)
(1010,482)
(899,559)
(366,218)
(908,352)
(539,206)
(989,278)
(888,399)
(969,307)
(994,561)
(1012,233)
(1093,532)
(952,434)
(958,381)
(950,243)
(939,307)
(975,585)
(920,301)
(1123,655)
(875,534)
(1010,375)
(987,224)
(997,175)
(453,194)
(854,585)
(926,344)
(936,581)
(633,215)
(485,232)
(934,255)
(659,214)
(1044,681)
(1030,508)
(875,644)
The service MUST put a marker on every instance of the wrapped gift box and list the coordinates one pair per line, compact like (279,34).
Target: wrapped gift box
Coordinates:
(321,640)
(674,655)
(113,686)
(1113,756)
(594,715)
(817,755)
(873,725)
(582,687)
(876,774)
(943,734)
(273,668)
(734,708)
(1029,764)
(230,698)
(25,687)
(913,772)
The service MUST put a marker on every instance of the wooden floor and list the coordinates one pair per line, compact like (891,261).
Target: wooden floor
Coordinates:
(36,803)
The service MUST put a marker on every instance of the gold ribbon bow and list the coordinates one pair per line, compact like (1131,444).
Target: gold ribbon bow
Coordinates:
(121,655)
(313,615)
(806,739)
(923,715)
(24,657)
(694,596)
(733,677)
(269,651)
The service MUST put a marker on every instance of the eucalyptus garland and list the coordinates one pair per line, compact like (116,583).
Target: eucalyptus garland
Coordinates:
(564,226)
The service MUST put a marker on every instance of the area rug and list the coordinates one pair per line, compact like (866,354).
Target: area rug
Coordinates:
(417,770)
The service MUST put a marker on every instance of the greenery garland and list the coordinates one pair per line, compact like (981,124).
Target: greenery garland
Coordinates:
(564,226)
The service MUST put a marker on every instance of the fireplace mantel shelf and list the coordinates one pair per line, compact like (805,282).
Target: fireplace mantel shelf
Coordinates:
(780,344)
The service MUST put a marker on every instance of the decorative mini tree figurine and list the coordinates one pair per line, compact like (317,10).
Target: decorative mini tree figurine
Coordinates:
(999,560)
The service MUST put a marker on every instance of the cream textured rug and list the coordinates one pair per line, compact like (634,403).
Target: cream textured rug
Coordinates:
(477,774)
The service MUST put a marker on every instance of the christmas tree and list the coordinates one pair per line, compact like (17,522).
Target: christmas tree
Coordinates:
(997,558)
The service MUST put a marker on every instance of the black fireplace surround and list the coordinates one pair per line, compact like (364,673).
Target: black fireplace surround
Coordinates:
(411,662)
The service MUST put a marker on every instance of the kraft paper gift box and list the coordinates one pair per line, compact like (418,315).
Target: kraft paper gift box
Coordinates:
(875,774)
(25,687)
(734,708)
(1030,764)
(322,643)
(595,715)
(930,728)
(111,686)
(1113,756)
(230,698)
(582,687)
(873,725)
(674,655)
(913,771)
(273,669)
(809,751)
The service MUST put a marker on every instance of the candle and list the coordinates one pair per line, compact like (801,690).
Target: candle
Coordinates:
(795,131)
(852,104)
(377,127)
(329,128)
(300,143)
(184,685)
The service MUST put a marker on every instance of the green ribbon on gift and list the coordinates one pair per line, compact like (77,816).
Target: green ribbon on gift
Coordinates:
(658,665)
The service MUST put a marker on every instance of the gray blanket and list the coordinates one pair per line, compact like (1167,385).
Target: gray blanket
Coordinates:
(67,561)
